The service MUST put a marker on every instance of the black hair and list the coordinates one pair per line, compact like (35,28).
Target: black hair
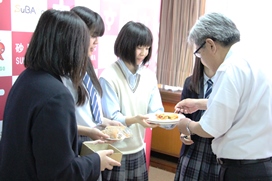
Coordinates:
(60,46)
(92,19)
(96,27)
(132,35)
(197,76)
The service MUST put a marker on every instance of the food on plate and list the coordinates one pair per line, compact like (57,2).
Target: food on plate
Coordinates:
(117,132)
(164,116)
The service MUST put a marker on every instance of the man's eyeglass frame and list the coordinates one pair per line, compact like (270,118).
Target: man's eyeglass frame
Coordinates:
(196,52)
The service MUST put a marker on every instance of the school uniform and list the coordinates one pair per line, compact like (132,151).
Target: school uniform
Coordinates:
(197,161)
(39,138)
(127,94)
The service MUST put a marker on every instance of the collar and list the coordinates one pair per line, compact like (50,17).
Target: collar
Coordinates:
(206,78)
(126,71)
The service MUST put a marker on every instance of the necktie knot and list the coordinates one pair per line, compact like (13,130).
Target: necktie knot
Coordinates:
(209,82)
(209,88)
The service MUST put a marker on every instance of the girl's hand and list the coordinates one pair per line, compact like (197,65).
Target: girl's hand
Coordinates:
(96,134)
(105,161)
(186,139)
(142,121)
(108,122)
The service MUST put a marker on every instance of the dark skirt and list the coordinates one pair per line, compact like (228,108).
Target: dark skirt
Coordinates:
(198,163)
(133,168)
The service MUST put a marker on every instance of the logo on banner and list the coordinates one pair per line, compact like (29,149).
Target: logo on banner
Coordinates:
(109,18)
(61,6)
(110,10)
(5,86)
(2,50)
(27,9)
(22,11)
(19,47)
(20,43)
(2,92)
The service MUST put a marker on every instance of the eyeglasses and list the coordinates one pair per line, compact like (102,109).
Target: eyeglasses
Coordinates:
(196,52)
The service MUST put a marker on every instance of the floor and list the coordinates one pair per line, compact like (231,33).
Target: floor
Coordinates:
(162,161)
(156,174)
(162,167)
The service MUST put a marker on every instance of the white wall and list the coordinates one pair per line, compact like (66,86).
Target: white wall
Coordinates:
(253,19)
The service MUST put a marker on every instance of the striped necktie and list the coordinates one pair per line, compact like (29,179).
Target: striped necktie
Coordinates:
(93,99)
(209,88)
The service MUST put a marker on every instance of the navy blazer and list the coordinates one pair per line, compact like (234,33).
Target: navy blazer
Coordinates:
(39,138)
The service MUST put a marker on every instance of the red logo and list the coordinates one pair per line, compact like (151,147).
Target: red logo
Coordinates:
(20,41)
(2,49)
(5,86)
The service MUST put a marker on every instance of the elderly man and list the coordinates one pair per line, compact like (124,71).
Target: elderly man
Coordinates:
(239,111)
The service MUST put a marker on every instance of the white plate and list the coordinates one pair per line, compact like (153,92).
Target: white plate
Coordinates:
(153,119)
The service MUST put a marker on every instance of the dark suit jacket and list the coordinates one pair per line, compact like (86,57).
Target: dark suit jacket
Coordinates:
(39,138)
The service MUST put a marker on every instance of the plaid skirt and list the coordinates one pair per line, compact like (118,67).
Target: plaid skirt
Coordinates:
(133,168)
(198,163)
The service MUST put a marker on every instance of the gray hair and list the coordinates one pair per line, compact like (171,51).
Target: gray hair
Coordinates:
(215,26)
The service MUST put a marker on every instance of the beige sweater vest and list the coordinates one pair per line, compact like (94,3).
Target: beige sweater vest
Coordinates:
(132,102)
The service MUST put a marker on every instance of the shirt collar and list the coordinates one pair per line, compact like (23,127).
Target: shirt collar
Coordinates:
(126,71)
(206,78)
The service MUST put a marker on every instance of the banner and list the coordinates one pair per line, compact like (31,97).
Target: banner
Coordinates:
(19,19)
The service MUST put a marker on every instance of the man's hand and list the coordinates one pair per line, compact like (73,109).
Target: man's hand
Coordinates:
(189,106)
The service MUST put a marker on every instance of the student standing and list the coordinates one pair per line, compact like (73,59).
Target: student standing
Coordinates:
(197,161)
(86,119)
(130,91)
(39,138)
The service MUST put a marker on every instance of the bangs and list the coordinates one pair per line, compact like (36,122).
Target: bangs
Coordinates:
(144,39)
(98,30)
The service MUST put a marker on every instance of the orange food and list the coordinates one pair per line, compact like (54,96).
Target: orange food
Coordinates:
(112,131)
(117,132)
(164,116)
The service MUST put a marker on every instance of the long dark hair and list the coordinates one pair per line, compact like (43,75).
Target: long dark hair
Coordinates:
(197,76)
(131,35)
(59,46)
(96,27)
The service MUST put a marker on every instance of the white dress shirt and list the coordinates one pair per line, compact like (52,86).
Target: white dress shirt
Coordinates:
(239,110)
(84,114)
